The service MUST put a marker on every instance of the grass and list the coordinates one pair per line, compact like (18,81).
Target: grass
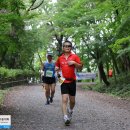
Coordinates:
(2,95)
(120,87)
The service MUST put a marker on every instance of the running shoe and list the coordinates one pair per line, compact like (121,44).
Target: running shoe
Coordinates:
(66,120)
(69,114)
(51,99)
(47,102)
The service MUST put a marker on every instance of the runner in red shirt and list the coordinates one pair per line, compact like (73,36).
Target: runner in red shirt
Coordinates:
(110,72)
(67,63)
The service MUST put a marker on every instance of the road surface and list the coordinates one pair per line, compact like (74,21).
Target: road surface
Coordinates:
(93,110)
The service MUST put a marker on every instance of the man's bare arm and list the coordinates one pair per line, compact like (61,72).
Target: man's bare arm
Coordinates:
(77,65)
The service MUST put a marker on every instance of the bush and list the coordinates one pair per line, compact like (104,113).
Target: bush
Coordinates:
(15,73)
(120,88)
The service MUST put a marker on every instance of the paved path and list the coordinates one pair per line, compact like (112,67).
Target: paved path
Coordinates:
(93,111)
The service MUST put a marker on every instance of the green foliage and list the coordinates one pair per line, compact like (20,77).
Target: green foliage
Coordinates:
(124,52)
(99,28)
(2,95)
(14,73)
(3,72)
(120,43)
(121,88)
(19,43)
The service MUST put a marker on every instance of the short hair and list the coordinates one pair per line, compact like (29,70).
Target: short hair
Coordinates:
(68,42)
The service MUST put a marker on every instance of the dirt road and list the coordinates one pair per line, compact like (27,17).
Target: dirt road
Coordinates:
(93,111)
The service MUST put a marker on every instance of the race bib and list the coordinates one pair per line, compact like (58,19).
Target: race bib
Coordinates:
(49,73)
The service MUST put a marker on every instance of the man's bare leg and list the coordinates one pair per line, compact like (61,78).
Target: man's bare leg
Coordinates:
(71,106)
(47,92)
(64,108)
(72,102)
(64,103)
(52,87)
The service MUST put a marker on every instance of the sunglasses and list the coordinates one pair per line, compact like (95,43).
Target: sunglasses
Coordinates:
(67,46)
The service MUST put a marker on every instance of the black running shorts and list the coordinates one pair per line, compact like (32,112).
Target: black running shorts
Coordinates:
(69,88)
(48,80)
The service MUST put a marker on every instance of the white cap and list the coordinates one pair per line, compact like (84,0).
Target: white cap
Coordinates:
(49,54)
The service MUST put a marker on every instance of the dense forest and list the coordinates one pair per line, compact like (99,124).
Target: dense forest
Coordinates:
(99,30)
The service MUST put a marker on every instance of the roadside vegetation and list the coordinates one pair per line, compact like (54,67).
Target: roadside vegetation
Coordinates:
(120,87)
(2,95)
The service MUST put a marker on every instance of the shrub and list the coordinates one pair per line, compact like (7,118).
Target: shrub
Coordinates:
(15,73)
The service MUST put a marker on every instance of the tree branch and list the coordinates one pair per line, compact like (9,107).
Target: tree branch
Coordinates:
(33,8)
(39,58)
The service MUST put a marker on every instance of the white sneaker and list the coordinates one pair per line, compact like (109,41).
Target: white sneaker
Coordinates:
(66,120)
(69,114)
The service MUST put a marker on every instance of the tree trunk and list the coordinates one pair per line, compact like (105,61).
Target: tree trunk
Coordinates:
(59,39)
(2,58)
(128,63)
(102,74)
